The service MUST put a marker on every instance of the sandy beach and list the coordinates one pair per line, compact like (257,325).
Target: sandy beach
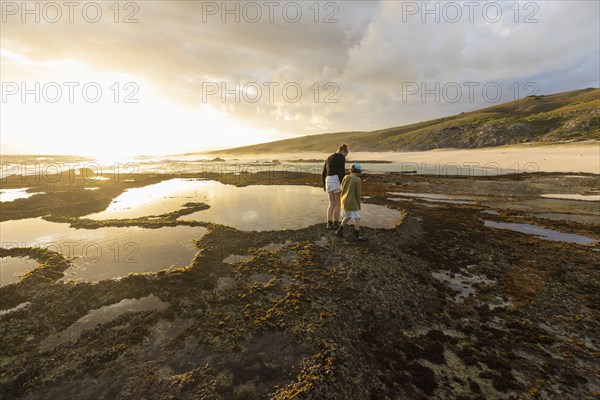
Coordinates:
(572,157)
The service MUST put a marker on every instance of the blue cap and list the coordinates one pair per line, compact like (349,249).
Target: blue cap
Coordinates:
(356,167)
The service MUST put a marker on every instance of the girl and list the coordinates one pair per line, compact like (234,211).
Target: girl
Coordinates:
(333,173)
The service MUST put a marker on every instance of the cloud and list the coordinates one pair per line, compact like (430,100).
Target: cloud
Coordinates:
(368,50)
(394,53)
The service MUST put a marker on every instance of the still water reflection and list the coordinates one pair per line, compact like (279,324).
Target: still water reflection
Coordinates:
(100,316)
(102,253)
(256,207)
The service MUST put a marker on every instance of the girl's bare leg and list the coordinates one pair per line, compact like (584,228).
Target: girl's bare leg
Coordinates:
(331,207)
(337,206)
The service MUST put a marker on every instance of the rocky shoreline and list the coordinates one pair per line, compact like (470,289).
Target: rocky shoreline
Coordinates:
(440,307)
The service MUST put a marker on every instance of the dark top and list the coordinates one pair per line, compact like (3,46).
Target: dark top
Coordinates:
(334,165)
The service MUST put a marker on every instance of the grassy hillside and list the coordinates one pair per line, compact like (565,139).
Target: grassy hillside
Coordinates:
(564,116)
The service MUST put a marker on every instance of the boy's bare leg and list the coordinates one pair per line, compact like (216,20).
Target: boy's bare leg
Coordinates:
(356,224)
(345,221)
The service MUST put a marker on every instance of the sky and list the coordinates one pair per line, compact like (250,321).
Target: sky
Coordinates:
(164,77)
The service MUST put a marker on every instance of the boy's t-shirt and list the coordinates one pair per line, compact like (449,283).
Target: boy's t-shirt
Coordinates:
(351,188)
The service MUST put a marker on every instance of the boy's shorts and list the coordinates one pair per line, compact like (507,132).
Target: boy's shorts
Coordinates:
(350,214)
(332,184)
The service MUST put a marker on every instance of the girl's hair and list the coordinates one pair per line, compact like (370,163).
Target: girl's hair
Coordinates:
(343,147)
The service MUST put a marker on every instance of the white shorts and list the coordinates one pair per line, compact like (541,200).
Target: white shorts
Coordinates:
(350,214)
(332,184)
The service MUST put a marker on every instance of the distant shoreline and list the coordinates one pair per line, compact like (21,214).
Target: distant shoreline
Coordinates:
(215,153)
(563,157)
(581,143)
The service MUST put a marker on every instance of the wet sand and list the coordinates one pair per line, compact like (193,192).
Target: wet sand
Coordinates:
(439,307)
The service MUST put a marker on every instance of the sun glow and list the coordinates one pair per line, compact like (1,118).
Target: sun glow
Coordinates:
(104,114)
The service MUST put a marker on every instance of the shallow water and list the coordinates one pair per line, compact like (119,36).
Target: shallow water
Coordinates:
(463,284)
(18,307)
(106,253)
(156,199)
(100,316)
(582,197)
(542,233)
(256,208)
(252,208)
(411,199)
(12,267)
(490,212)
(439,198)
(14,194)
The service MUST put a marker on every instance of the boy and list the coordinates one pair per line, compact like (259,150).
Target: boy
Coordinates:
(351,189)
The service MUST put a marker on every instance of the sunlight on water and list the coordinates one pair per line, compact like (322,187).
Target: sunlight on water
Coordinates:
(156,199)
(106,253)
(14,194)
(111,252)
(12,267)
(262,208)
(589,197)
(259,208)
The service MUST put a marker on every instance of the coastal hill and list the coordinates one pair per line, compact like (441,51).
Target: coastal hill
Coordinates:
(568,116)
